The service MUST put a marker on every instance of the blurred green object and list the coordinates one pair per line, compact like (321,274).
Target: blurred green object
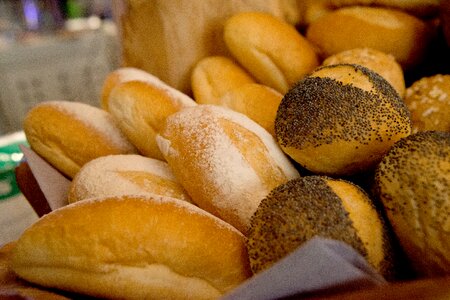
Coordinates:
(74,9)
(10,157)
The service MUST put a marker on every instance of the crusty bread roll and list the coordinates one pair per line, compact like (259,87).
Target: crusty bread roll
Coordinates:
(125,74)
(302,208)
(117,175)
(273,51)
(383,64)
(413,183)
(428,100)
(257,101)
(391,31)
(311,10)
(226,162)
(341,120)
(69,134)
(213,76)
(167,41)
(133,247)
(140,108)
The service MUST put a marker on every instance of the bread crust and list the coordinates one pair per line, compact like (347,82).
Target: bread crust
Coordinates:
(273,51)
(117,175)
(69,134)
(133,247)
(225,161)
(390,31)
(140,108)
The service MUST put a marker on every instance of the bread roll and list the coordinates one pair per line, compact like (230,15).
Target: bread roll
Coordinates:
(341,120)
(133,247)
(390,31)
(117,175)
(69,134)
(413,183)
(383,64)
(226,162)
(257,101)
(300,209)
(273,51)
(311,10)
(214,76)
(164,40)
(140,108)
(428,100)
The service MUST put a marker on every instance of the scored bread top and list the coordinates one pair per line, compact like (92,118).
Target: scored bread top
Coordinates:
(225,161)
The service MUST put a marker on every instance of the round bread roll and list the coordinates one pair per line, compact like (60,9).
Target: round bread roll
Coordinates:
(390,31)
(69,134)
(133,247)
(258,102)
(214,76)
(413,182)
(428,100)
(118,175)
(140,108)
(226,162)
(300,209)
(273,51)
(384,64)
(341,120)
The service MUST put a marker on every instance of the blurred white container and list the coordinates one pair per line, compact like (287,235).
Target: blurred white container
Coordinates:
(72,67)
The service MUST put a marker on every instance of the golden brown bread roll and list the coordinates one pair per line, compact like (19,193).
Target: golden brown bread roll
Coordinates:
(413,183)
(226,162)
(133,247)
(390,31)
(213,76)
(140,108)
(273,51)
(300,209)
(383,64)
(69,134)
(117,175)
(311,10)
(117,77)
(428,100)
(341,120)
(257,101)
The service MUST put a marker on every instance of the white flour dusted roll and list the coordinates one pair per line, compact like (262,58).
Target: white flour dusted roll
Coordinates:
(226,162)
(117,175)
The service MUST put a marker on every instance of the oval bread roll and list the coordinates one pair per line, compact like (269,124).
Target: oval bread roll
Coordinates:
(390,31)
(273,51)
(413,183)
(383,64)
(428,100)
(226,162)
(133,247)
(118,175)
(257,101)
(341,120)
(140,108)
(214,76)
(314,9)
(70,134)
(300,209)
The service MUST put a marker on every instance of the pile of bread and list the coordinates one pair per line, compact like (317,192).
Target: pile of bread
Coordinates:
(186,193)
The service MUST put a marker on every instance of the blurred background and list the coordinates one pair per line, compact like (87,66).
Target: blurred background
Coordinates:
(53,50)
